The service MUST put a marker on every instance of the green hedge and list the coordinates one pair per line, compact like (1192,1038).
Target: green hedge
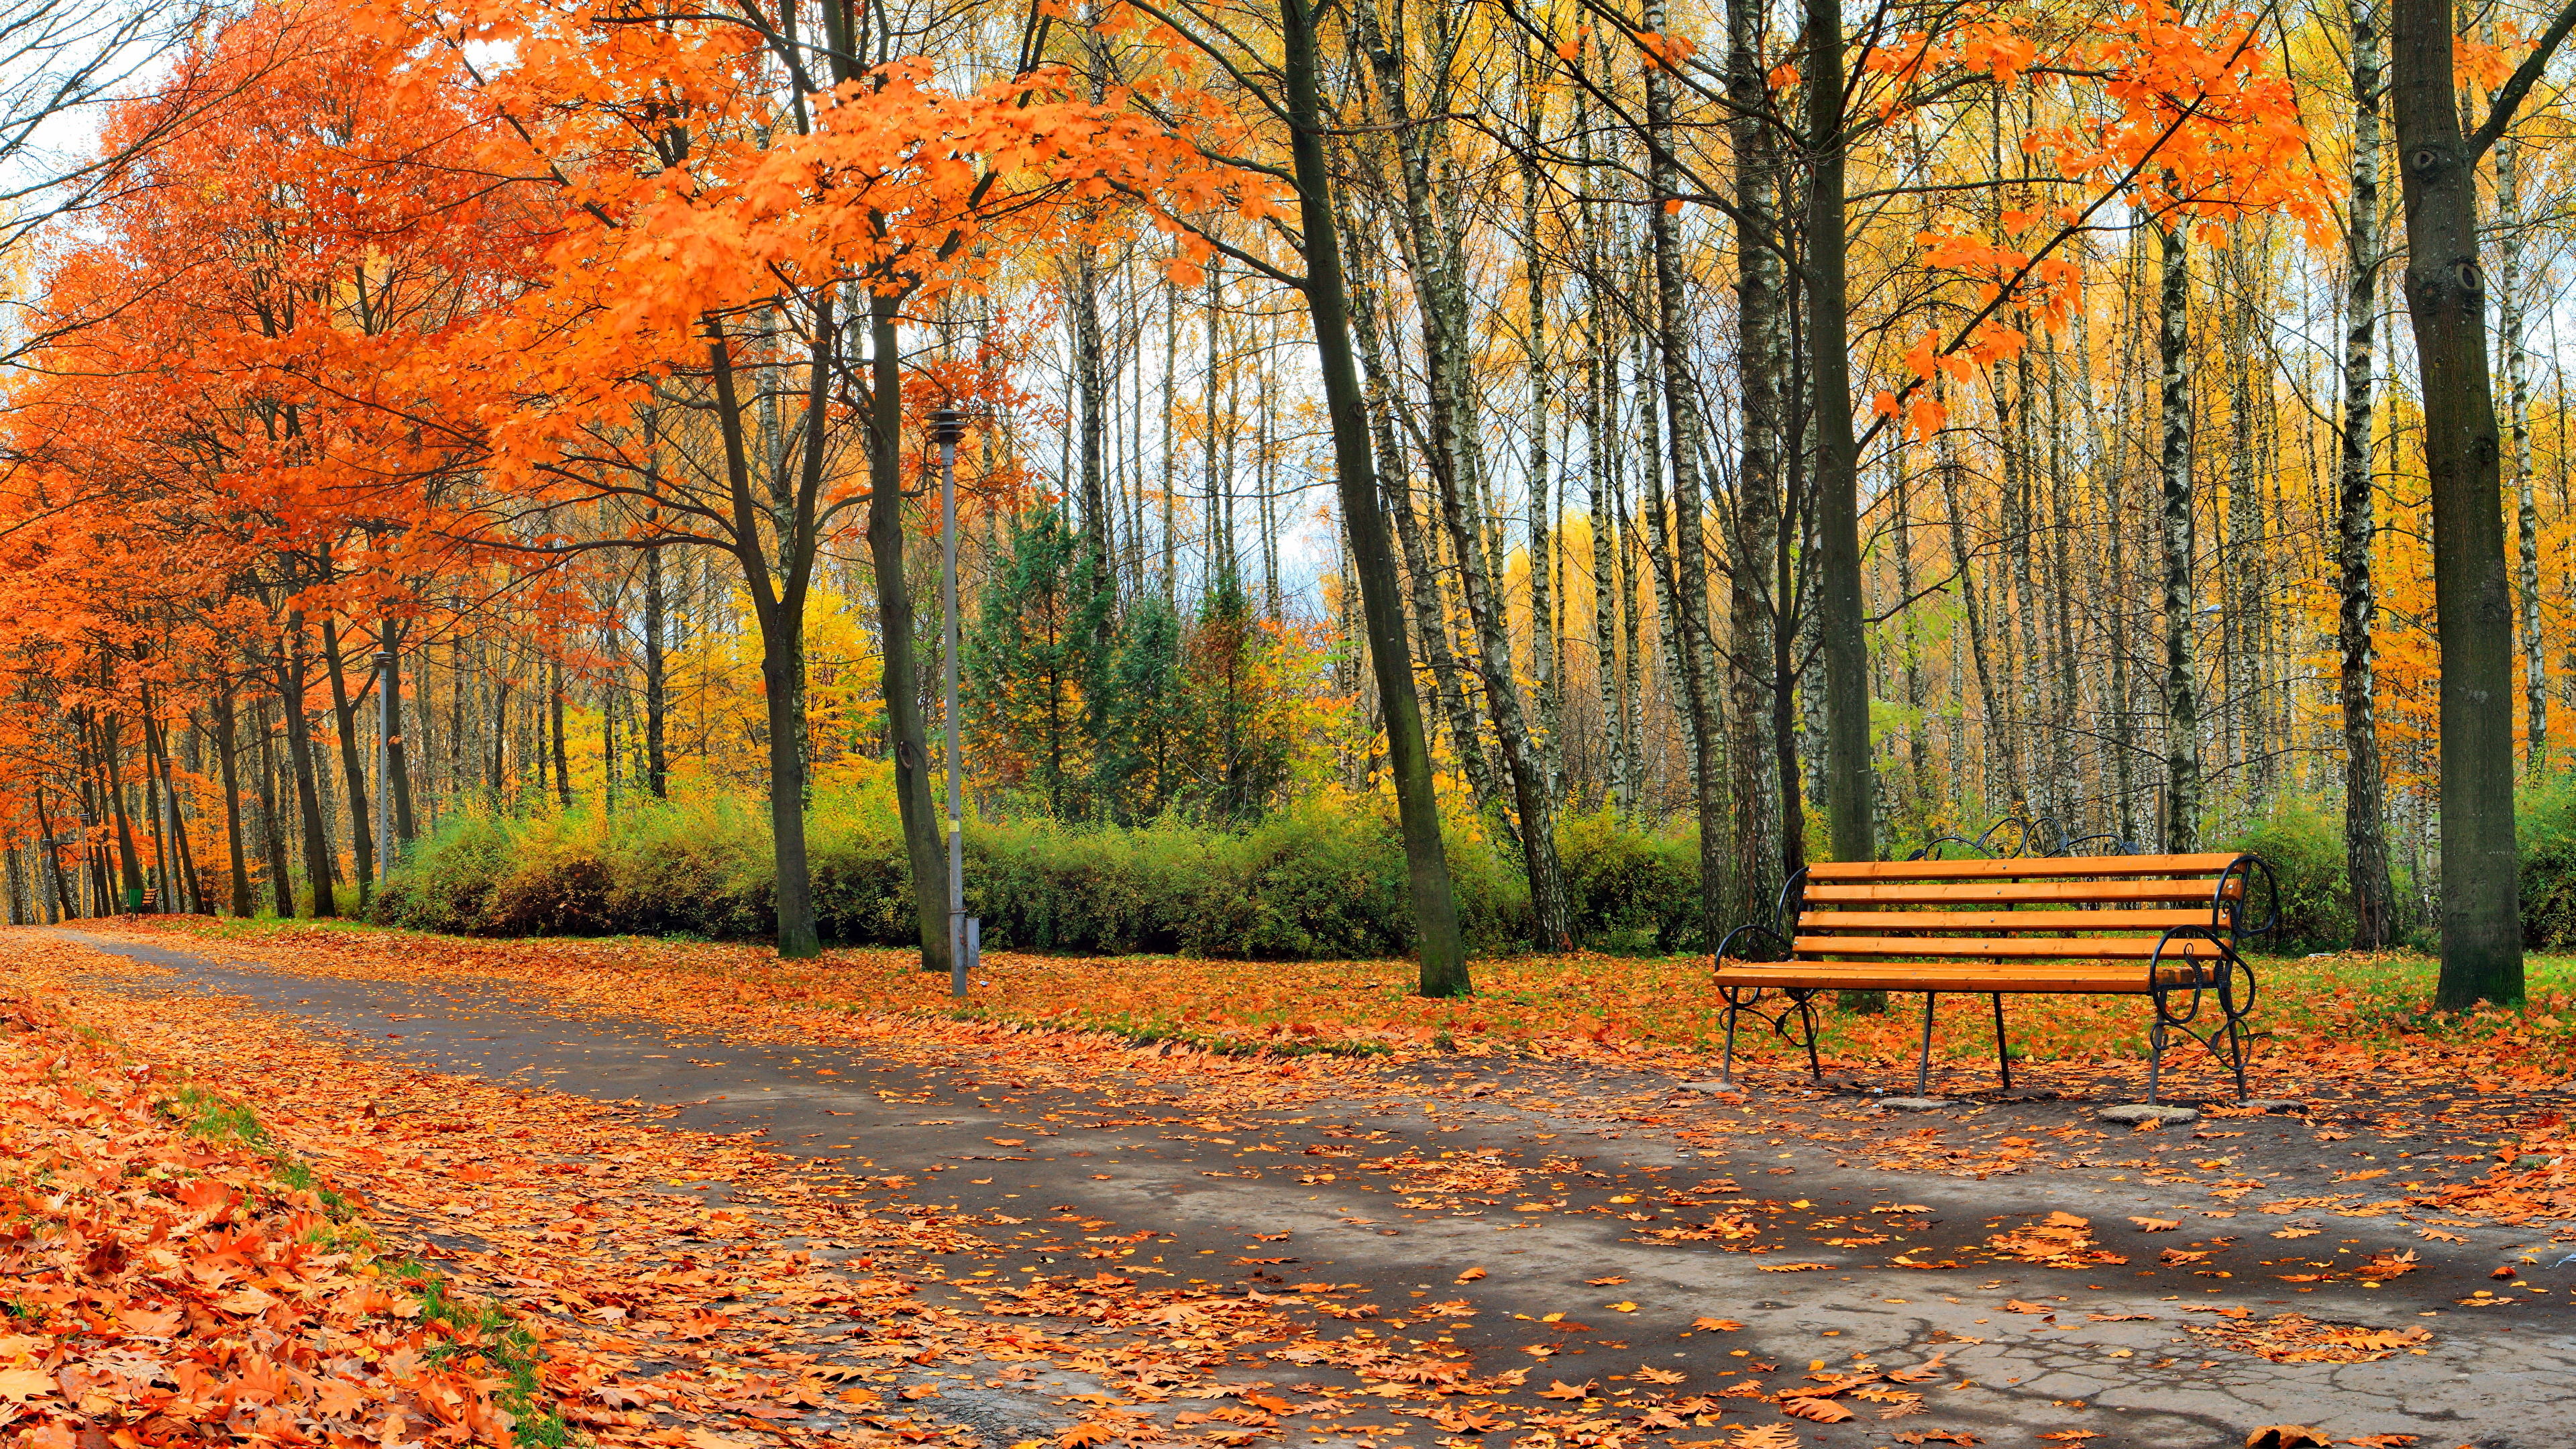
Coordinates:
(2304,847)
(2545,832)
(1324,880)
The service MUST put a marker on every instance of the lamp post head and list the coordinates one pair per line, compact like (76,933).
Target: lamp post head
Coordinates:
(947,427)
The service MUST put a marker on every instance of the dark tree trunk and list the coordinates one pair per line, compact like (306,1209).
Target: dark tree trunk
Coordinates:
(924,844)
(299,757)
(1443,963)
(778,604)
(1849,803)
(180,868)
(129,861)
(353,766)
(563,755)
(272,833)
(2472,593)
(397,760)
(240,859)
(1850,788)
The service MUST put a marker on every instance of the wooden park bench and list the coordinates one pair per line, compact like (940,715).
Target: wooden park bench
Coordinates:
(150,904)
(2165,927)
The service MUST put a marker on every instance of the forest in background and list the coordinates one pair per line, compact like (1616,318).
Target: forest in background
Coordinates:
(1463,412)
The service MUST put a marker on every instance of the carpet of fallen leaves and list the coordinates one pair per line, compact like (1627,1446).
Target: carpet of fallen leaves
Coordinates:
(2356,1027)
(169,1268)
(2334,1014)
(671,1288)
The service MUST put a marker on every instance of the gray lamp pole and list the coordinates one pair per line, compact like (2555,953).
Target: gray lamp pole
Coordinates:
(948,428)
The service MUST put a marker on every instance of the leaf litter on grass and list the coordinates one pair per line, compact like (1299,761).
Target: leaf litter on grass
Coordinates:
(851,1003)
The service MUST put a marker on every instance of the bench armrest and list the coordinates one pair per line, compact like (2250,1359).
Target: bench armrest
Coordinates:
(2233,916)
(1778,944)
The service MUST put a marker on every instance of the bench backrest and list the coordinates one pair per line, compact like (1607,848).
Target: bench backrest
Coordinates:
(2104,898)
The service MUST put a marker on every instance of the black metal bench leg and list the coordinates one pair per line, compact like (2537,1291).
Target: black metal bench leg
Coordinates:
(1726,1073)
(2155,1046)
(1923,1068)
(2003,1059)
(1807,1013)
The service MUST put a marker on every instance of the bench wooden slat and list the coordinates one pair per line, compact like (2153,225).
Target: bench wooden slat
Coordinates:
(2134,948)
(2022,868)
(2071,892)
(2139,920)
(1957,977)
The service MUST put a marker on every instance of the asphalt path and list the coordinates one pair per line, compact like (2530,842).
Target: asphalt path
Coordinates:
(2113,1355)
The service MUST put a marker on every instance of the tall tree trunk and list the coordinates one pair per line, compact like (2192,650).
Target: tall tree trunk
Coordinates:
(656,675)
(1171,470)
(180,870)
(345,715)
(2472,596)
(1602,358)
(1457,472)
(2124,744)
(1544,664)
(1533,795)
(2517,374)
(1093,411)
(129,862)
(1220,550)
(1850,787)
(1430,613)
(778,590)
(2244,567)
(397,758)
(272,831)
(2182,705)
(555,722)
(239,857)
(1697,651)
(299,758)
(165,866)
(1443,962)
(1998,738)
(1760,824)
(1918,738)
(2365,810)
(925,845)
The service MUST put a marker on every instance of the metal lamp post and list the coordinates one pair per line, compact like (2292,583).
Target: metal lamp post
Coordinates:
(948,428)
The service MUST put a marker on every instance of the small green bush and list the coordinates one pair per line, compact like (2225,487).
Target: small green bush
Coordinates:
(2304,847)
(1325,879)
(1629,890)
(2545,834)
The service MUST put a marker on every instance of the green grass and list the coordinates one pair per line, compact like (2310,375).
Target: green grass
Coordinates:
(480,1327)
(213,1117)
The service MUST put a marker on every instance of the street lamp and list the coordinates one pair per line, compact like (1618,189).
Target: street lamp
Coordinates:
(947,429)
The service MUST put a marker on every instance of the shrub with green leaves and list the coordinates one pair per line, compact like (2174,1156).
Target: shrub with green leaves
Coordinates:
(1324,879)
(2304,847)
(2545,833)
